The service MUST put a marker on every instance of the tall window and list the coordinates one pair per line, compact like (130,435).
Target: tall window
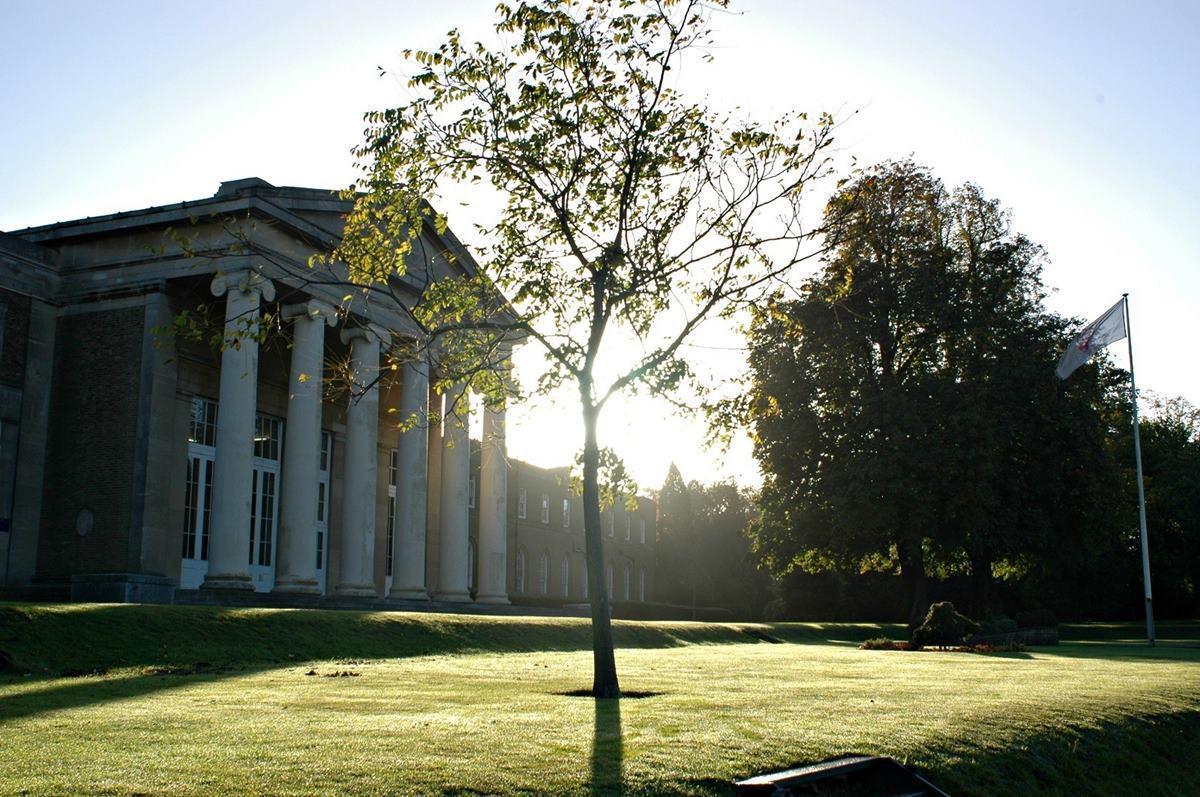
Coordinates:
(545,508)
(544,573)
(393,466)
(610,581)
(565,575)
(522,503)
(642,584)
(628,527)
(642,524)
(519,571)
(585,579)
(197,500)
(268,439)
(612,522)
(471,493)
(566,513)
(471,565)
(627,583)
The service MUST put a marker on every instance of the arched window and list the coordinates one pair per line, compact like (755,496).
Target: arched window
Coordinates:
(520,571)
(642,584)
(627,583)
(544,573)
(565,576)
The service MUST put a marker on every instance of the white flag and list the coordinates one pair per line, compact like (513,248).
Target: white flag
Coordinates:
(1108,328)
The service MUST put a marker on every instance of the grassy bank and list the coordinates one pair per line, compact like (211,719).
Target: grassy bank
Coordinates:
(303,702)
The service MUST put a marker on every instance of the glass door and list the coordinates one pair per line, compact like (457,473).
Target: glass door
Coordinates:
(197,501)
(264,501)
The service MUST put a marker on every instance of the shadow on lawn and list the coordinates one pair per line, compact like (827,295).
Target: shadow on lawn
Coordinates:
(58,694)
(607,752)
(1163,652)
(1145,755)
(50,640)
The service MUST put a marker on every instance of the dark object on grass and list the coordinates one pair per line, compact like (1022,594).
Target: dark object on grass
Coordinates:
(848,776)
(884,643)
(1037,618)
(943,627)
(633,694)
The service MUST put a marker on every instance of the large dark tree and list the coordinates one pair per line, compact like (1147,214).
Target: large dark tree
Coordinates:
(1171,457)
(904,407)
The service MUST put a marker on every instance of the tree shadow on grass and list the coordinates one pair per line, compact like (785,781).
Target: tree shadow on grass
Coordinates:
(607,749)
(56,694)
(1144,755)
(1162,653)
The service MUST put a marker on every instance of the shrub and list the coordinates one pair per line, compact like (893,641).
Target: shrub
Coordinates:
(1037,618)
(998,624)
(943,627)
(884,643)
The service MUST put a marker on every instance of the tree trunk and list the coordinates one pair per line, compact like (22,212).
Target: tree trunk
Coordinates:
(604,675)
(981,583)
(912,571)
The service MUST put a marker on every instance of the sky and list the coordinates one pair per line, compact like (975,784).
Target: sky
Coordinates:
(1082,117)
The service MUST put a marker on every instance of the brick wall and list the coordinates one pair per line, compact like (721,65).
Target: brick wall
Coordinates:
(16,338)
(93,431)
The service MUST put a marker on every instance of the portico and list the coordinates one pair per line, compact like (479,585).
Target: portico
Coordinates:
(239,522)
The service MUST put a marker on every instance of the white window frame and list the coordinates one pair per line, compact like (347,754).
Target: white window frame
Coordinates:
(202,455)
(612,522)
(471,492)
(265,500)
(565,575)
(642,521)
(519,571)
(566,513)
(628,527)
(522,504)
(546,508)
(642,584)
(324,505)
(628,582)
(544,573)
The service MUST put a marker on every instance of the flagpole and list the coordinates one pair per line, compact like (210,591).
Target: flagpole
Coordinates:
(1137,455)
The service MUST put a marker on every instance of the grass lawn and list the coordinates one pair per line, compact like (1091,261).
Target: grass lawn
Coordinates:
(196,700)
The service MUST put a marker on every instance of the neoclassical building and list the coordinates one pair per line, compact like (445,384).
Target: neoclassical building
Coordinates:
(141,461)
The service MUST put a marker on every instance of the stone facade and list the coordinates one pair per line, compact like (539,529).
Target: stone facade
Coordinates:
(136,463)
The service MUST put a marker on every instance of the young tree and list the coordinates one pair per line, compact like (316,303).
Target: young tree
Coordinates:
(628,212)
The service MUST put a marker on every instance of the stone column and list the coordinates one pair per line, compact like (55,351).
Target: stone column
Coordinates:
(229,537)
(408,545)
(493,510)
(455,518)
(356,566)
(296,568)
